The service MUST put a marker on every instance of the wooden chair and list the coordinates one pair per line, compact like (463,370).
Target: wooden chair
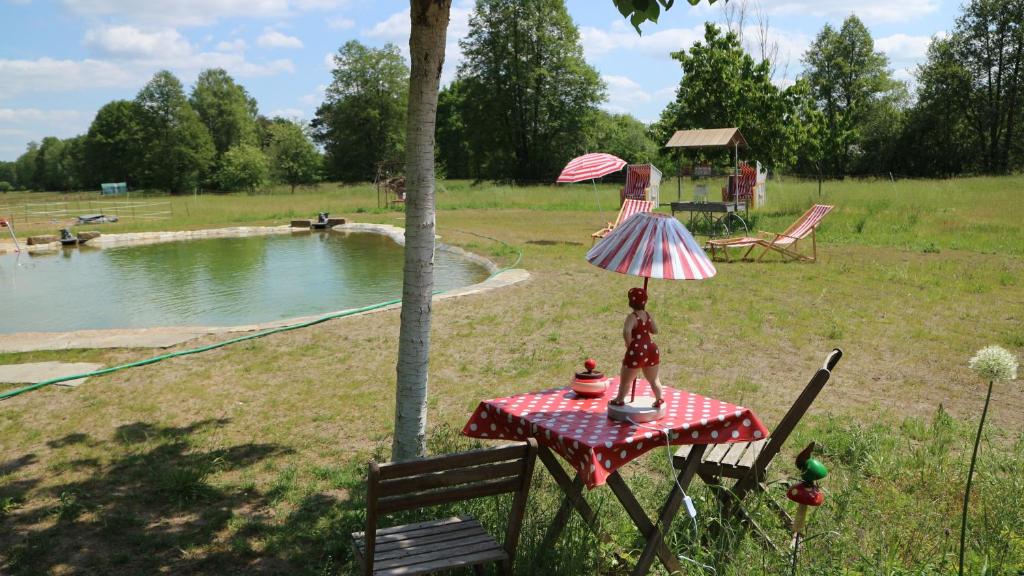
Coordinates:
(629,208)
(425,547)
(747,462)
(784,243)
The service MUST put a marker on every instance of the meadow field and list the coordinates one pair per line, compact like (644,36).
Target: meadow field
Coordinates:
(250,458)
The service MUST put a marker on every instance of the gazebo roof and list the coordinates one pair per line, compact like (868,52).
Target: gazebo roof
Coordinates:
(713,138)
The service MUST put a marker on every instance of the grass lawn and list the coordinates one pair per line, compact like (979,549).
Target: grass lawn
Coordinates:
(248,459)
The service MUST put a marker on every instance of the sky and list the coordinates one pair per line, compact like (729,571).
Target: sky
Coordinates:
(61,60)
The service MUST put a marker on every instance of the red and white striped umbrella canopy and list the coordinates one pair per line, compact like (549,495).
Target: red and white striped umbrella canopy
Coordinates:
(590,166)
(652,245)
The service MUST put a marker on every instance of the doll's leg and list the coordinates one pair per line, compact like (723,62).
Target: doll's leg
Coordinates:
(626,376)
(651,375)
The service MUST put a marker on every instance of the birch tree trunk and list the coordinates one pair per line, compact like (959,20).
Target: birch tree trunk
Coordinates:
(426,49)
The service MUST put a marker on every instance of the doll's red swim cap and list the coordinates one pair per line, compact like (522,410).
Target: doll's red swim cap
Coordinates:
(637,298)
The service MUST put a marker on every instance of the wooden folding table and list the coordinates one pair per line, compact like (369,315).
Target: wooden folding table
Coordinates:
(578,430)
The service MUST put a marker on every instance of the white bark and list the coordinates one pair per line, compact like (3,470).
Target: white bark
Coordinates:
(426,48)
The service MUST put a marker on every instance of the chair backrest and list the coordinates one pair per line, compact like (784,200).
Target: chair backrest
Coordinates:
(796,412)
(631,207)
(398,486)
(638,179)
(805,224)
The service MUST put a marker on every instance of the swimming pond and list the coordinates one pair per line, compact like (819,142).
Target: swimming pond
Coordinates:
(209,282)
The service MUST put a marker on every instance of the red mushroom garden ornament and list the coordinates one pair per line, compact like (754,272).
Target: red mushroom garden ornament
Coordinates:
(806,493)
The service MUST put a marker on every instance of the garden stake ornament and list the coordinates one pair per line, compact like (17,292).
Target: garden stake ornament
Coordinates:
(805,493)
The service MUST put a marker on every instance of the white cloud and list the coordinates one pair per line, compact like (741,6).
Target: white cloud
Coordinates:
(394,28)
(313,99)
(871,11)
(624,88)
(329,60)
(275,39)
(621,37)
(51,75)
(37,116)
(340,23)
(194,12)
(236,45)
(18,126)
(132,42)
(904,47)
(289,113)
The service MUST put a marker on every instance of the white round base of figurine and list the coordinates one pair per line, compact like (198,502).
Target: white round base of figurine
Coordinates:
(640,410)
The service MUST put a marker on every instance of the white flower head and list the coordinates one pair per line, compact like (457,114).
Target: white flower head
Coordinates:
(994,363)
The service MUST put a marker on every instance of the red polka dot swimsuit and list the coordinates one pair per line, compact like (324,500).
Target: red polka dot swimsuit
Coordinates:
(642,351)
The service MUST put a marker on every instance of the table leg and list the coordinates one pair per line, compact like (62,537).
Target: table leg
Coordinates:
(669,510)
(573,490)
(636,512)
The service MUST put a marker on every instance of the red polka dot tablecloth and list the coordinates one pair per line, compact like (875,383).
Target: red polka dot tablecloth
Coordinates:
(580,431)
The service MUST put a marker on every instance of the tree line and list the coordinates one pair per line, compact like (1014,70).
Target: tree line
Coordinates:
(524,101)
(213,138)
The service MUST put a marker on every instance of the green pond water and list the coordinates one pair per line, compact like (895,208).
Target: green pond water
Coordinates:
(210,282)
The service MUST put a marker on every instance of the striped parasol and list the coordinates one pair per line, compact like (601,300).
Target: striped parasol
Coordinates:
(652,245)
(590,166)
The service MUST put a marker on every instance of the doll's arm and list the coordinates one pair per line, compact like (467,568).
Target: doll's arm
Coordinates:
(654,325)
(627,329)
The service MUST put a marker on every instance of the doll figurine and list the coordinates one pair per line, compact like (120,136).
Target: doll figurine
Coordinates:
(641,351)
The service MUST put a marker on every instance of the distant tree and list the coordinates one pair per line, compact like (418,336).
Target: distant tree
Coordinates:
(178,147)
(744,96)
(988,41)
(243,167)
(25,167)
(938,139)
(454,154)
(114,146)
(227,110)
(362,118)
(9,174)
(621,135)
(529,91)
(293,158)
(848,78)
(6,186)
(73,162)
(51,174)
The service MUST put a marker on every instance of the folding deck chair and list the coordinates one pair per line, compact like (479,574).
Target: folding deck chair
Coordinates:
(784,243)
(747,462)
(629,208)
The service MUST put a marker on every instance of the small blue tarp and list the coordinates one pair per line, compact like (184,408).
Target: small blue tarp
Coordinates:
(112,189)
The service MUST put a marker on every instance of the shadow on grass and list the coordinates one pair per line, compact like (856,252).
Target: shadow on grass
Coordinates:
(151,509)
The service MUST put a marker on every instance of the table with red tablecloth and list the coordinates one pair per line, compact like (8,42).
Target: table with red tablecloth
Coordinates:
(578,429)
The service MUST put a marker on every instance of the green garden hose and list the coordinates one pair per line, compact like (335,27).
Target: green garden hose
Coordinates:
(155,359)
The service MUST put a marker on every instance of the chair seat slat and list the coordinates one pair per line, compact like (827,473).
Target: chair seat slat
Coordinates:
(442,558)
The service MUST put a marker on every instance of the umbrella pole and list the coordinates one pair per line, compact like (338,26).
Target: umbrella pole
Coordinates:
(596,201)
(632,393)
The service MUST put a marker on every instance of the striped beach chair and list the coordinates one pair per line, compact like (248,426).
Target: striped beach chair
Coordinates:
(638,180)
(629,208)
(784,243)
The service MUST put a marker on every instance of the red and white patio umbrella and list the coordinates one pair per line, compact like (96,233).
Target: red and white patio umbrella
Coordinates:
(590,167)
(652,245)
